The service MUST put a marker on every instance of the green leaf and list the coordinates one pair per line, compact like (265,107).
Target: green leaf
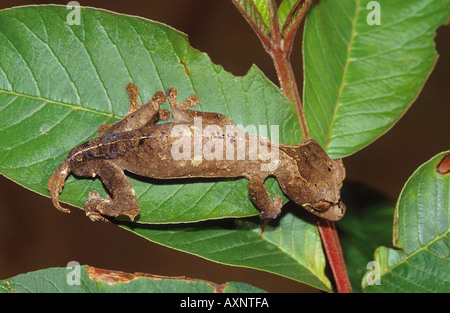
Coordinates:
(421,234)
(261,5)
(284,9)
(288,14)
(289,247)
(81,280)
(360,78)
(256,13)
(59,82)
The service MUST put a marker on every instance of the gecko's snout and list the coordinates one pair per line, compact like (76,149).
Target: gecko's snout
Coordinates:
(56,183)
(335,212)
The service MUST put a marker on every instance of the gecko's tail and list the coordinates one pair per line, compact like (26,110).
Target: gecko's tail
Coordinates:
(56,183)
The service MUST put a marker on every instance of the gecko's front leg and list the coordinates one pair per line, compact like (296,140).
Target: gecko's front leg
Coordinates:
(122,199)
(269,208)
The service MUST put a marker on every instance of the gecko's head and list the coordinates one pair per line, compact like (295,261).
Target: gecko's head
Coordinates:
(317,185)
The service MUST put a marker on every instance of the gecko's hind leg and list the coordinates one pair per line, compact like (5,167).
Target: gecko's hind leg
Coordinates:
(138,115)
(172,94)
(132,91)
(157,99)
(122,199)
(180,111)
(182,114)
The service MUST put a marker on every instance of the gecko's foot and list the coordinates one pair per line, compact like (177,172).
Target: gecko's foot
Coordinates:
(172,94)
(277,205)
(94,206)
(158,98)
(190,102)
(132,91)
(164,114)
(102,209)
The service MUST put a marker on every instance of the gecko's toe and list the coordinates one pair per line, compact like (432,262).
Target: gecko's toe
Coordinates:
(96,217)
(93,194)
(164,114)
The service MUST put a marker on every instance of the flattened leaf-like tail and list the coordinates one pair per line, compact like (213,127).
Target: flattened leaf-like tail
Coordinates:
(56,183)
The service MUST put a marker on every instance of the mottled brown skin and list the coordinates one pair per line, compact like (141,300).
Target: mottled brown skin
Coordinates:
(135,144)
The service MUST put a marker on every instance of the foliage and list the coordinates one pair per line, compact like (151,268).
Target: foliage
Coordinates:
(57,80)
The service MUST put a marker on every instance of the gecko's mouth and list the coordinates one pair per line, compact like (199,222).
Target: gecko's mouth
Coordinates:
(327,210)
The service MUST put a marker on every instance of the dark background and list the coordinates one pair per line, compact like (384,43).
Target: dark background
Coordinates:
(34,235)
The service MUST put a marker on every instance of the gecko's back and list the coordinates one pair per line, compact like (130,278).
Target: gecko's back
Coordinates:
(172,150)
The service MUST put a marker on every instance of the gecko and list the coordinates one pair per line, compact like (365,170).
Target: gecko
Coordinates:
(166,150)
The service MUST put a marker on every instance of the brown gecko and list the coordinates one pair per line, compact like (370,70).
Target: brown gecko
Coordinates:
(136,144)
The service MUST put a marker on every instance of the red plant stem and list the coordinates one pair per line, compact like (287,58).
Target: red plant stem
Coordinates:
(288,84)
(280,49)
(330,240)
(281,57)
(281,60)
(290,34)
(327,229)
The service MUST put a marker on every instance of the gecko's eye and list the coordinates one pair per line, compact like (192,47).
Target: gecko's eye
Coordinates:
(327,210)
(318,206)
(321,205)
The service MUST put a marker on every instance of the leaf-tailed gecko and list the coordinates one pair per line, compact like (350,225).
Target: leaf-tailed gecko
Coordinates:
(136,144)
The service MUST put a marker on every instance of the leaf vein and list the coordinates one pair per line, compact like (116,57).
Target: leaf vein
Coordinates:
(55,56)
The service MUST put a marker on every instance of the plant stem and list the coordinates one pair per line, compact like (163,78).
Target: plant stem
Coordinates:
(278,43)
(330,240)
(280,53)
(290,30)
(288,85)
(281,60)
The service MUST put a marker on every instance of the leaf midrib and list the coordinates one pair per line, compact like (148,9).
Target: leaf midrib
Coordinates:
(71,106)
(344,74)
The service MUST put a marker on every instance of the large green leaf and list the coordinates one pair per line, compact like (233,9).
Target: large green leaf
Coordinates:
(361,78)
(58,83)
(290,248)
(84,279)
(421,234)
